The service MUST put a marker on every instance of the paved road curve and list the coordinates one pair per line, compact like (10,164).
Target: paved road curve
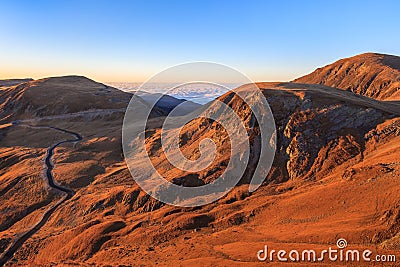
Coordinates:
(49,175)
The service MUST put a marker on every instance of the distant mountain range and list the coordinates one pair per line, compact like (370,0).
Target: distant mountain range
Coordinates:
(11,82)
(27,98)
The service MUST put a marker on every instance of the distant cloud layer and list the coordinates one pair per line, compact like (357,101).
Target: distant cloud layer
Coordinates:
(199,92)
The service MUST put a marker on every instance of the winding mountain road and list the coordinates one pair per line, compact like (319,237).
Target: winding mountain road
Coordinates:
(9,253)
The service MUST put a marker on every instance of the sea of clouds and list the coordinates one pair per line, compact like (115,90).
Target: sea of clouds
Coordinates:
(196,92)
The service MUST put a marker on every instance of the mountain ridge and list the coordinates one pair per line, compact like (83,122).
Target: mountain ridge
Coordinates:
(370,74)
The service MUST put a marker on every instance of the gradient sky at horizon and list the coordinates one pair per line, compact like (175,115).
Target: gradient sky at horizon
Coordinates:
(133,40)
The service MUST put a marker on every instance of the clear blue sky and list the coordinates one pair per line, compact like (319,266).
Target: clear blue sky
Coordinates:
(132,40)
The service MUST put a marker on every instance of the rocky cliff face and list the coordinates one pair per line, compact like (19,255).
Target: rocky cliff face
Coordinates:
(320,128)
(373,75)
